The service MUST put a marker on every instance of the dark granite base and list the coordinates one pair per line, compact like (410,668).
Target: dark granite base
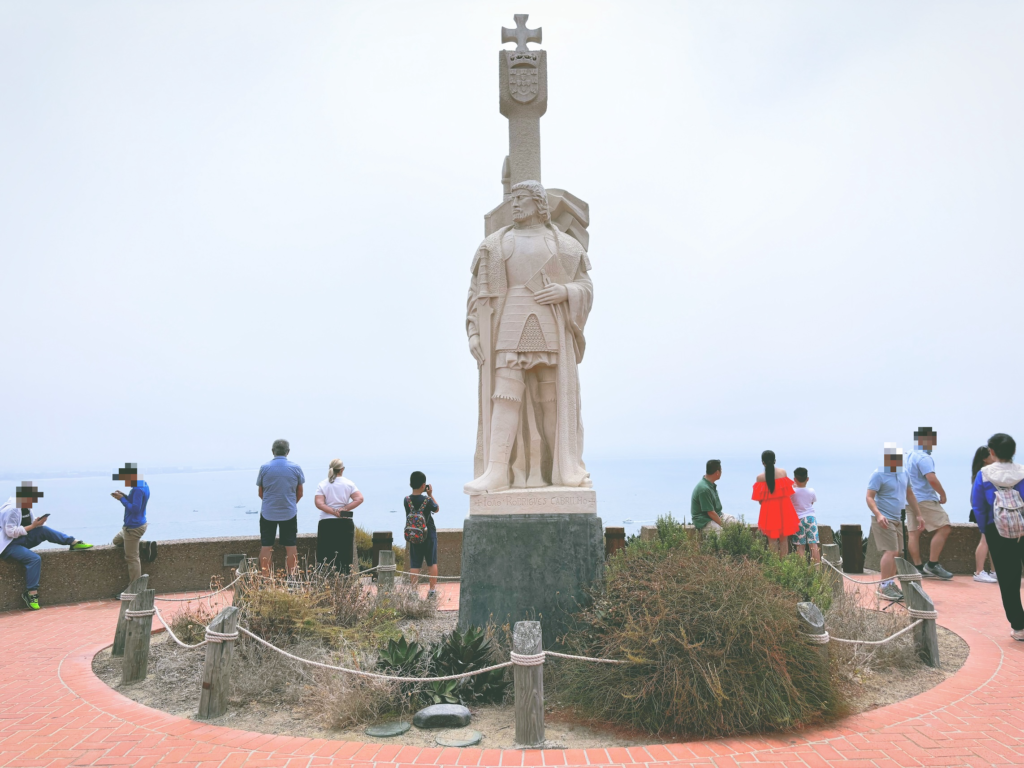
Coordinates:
(529,567)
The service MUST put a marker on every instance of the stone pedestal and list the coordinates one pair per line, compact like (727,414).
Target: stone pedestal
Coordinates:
(549,500)
(529,567)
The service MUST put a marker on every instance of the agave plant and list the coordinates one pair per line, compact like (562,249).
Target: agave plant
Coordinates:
(441,692)
(401,657)
(467,651)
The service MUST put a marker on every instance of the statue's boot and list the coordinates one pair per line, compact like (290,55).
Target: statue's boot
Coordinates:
(504,423)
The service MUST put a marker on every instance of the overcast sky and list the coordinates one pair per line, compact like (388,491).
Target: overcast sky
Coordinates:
(227,222)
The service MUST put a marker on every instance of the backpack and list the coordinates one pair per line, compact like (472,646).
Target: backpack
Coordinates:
(1008,512)
(415,521)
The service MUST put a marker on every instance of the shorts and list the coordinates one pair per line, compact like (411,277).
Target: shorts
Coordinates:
(934,516)
(888,538)
(289,531)
(713,526)
(807,533)
(425,550)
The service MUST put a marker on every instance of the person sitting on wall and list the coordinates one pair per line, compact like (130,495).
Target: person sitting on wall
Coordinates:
(705,506)
(280,483)
(130,535)
(20,533)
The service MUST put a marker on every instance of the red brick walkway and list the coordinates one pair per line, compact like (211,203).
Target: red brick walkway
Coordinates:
(55,712)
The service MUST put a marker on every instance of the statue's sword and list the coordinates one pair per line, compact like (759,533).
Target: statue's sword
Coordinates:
(483,319)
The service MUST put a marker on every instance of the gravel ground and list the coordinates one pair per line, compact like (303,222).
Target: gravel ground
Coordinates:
(171,687)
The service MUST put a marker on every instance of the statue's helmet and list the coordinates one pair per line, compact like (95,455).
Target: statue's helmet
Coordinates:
(539,195)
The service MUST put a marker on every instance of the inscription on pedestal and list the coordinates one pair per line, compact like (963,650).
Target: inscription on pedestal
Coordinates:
(535,501)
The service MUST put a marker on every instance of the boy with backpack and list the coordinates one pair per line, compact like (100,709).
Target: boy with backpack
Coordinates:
(999,512)
(420,531)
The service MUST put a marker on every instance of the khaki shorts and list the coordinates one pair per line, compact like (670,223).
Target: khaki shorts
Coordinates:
(888,538)
(934,516)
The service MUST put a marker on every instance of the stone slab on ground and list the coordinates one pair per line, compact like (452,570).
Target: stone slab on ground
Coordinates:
(528,567)
(442,716)
(387,730)
(461,739)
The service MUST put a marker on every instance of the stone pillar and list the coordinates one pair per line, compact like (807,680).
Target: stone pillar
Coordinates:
(523,89)
(614,540)
(381,540)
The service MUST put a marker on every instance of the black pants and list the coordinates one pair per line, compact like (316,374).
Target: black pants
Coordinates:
(1007,558)
(334,542)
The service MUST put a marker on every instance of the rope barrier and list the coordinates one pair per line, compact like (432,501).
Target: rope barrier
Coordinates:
(428,576)
(219,637)
(916,614)
(909,576)
(850,578)
(583,658)
(878,642)
(528,660)
(177,639)
(386,568)
(197,597)
(130,614)
(126,597)
(820,639)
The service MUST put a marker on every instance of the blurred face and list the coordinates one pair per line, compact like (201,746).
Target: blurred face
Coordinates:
(928,441)
(893,461)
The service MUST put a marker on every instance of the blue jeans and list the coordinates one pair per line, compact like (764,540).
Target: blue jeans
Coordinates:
(20,551)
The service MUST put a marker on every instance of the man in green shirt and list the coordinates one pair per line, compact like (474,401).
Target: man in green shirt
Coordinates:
(705,506)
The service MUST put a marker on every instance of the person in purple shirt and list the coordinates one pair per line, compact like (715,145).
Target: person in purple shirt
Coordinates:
(1007,553)
(130,535)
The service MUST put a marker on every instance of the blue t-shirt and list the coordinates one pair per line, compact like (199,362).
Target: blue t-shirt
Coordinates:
(135,505)
(919,464)
(280,480)
(890,491)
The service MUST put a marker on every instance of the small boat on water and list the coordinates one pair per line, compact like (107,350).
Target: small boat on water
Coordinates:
(627,521)
(239,506)
(252,511)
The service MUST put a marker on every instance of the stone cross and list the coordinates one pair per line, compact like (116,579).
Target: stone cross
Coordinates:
(521,35)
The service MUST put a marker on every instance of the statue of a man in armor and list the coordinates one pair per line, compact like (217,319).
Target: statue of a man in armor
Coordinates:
(529,299)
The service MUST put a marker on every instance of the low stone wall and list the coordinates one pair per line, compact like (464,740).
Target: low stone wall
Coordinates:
(957,555)
(449,551)
(650,532)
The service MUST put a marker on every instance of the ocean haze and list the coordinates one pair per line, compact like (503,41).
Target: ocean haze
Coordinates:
(224,223)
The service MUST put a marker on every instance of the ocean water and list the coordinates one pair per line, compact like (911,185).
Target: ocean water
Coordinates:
(216,503)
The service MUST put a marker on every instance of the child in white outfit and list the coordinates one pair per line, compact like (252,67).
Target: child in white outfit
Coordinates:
(803,502)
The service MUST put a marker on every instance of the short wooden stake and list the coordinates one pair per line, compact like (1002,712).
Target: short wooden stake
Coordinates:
(853,548)
(830,553)
(122,623)
(529,685)
(386,578)
(213,699)
(926,636)
(136,645)
(242,574)
(812,622)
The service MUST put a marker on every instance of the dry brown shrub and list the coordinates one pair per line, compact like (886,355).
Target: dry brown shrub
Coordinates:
(849,618)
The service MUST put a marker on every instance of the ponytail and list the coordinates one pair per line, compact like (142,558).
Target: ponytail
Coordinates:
(979,461)
(768,459)
(337,466)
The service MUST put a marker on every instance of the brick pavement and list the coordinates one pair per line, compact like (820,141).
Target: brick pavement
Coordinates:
(55,712)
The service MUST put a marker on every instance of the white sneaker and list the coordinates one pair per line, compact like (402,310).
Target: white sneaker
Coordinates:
(1017,634)
(985,577)
(992,574)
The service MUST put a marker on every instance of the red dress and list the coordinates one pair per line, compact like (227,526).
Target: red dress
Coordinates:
(778,518)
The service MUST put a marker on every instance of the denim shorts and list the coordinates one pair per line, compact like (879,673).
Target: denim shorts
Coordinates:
(289,531)
(425,550)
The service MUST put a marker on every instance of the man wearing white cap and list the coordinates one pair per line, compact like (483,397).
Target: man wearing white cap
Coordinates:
(887,490)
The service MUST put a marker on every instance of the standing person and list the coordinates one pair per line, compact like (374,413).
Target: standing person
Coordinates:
(422,502)
(280,483)
(888,490)
(930,497)
(20,533)
(982,458)
(134,526)
(705,506)
(996,501)
(772,490)
(803,503)
(336,497)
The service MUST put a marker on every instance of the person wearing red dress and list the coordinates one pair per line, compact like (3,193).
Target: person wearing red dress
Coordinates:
(778,520)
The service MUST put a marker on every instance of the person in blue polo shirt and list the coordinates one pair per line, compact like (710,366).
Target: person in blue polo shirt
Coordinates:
(280,483)
(888,490)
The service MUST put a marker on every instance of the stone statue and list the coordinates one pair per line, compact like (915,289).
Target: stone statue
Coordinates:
(529,299)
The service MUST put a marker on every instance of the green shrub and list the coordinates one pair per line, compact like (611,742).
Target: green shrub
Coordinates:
(459,652)
(715,647)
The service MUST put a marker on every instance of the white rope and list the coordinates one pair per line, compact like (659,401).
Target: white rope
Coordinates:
(174,637)
(219,637)
(386,568)
(850,578)
(130,614)
(428,576)
(820,639)
(909,576)
(197,597)
(127,597)
(528,660)
(916,614)
(583,658)
(360,673)
(878,642)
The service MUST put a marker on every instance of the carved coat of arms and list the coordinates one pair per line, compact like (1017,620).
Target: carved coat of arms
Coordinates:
(523,84)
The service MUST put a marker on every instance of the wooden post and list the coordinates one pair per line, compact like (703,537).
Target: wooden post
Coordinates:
(614,540)
(242,574)
(529,685)
(926,636)
(812,622)
(386,578)
(381,540)
(213,699)
(830,553)
(853,548)
(122,623)
(136,644)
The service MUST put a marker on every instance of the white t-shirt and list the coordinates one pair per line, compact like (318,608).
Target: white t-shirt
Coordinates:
(803,501)
(336,495)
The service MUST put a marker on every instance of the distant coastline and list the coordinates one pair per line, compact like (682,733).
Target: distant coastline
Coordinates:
(69,474)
